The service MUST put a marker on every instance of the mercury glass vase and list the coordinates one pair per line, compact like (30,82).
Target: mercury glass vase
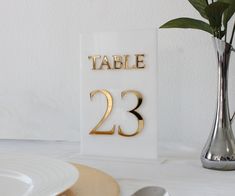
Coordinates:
(219,150)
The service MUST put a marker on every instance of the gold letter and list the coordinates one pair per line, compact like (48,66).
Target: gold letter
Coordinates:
(105,61)
(126,61)
(139,61)
(93,58)
(117,60)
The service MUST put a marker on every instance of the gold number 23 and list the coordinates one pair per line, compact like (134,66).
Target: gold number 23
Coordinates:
(109,107)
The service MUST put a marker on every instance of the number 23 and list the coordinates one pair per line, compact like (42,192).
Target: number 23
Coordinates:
(109,107)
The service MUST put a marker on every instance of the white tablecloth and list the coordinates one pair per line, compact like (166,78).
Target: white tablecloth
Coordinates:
(178,170)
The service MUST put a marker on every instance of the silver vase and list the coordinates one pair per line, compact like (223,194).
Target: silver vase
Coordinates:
(219,151)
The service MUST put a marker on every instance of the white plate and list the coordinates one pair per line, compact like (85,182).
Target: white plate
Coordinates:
(24,175)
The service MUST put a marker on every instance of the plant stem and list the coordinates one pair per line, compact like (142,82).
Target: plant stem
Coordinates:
(231,40)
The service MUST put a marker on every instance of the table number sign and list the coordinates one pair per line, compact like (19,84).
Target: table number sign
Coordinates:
(118,92)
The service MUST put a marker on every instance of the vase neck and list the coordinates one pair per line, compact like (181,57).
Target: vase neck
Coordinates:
(223,51)
(221,46)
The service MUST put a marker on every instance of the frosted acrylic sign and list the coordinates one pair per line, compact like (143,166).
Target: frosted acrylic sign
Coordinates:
(118,90)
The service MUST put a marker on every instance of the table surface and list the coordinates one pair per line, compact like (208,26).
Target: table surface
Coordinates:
(178,170)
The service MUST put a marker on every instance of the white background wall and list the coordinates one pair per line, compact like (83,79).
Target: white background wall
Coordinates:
(39,66)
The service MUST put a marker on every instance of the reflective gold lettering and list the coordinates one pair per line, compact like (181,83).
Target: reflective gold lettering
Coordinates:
(126,61)
(117,62)
(105,62)
(93,58)
(139,60)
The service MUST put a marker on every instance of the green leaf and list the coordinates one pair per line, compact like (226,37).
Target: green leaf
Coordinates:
(200,6)
(228,12)
(215,12)
(188,23)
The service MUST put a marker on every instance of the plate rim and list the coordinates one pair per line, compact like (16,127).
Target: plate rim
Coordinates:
(22,157)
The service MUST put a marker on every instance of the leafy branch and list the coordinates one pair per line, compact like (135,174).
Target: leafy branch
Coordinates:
(217,13)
